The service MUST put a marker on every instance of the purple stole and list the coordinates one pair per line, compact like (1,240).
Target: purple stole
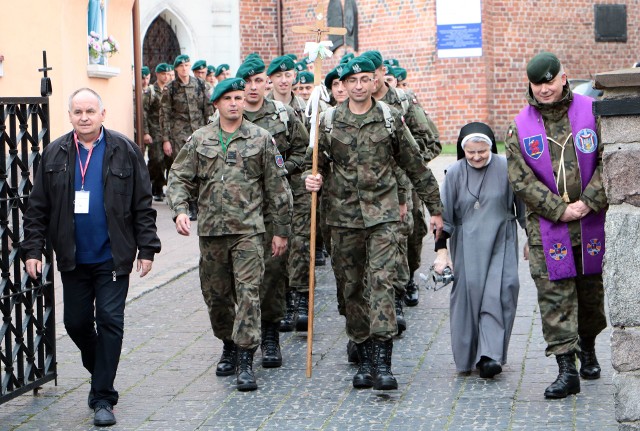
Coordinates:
(534,146)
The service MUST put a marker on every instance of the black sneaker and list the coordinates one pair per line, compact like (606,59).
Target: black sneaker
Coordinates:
(103,414)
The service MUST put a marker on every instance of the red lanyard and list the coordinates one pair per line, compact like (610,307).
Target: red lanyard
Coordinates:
(83,169)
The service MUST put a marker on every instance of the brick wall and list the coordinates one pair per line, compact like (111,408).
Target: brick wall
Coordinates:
(455,91)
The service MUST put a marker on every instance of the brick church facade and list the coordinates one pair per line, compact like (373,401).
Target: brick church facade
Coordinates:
(457,90)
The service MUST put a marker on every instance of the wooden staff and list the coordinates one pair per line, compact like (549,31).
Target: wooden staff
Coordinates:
(319,30)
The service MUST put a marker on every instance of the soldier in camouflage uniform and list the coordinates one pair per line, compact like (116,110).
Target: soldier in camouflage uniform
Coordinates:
(235,169)
(282,72)
(185,109)
(292,139)
(419,127)
(159,163)
(355,155)
(200,70)
(572,309)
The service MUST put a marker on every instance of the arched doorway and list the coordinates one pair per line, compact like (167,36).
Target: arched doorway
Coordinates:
(160,45)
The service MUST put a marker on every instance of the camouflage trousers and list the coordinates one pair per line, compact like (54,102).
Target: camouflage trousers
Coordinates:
(420,230)
(159,164)
(231,270)
(371,253)
(300,241)
(405,228)
(274,284)
(569,308)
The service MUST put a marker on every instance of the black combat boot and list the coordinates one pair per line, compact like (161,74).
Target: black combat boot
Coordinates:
(400,320)
(568,381)
(244,372)
(363,378)
(227,364)
(270,345)
(352,352)
(302,312)
(589,366)
(383,379)
(411,295)
(287,324)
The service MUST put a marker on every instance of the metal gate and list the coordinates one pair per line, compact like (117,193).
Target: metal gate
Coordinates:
(27,334)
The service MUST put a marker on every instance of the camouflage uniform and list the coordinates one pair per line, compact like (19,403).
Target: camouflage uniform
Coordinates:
(572,307)
(185,109)
(159,163)
(232,191)
(414,227)
(292,140)
(362,208)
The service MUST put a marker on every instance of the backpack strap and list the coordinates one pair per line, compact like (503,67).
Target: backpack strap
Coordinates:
(328,119)
(404,100)
(281,111)
(389,122)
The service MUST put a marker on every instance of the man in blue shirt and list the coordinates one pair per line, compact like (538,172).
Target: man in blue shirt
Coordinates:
(95,228)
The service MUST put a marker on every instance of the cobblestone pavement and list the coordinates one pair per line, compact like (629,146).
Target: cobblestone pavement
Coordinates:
(167,376)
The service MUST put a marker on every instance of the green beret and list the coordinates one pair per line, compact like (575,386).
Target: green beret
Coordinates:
(392,62)
(333,74)
(301,65)
(280,64)
(252,55)
(182,58)
(543,68)
(305,77)
(400,73)
(389,70)
(145,71)
(357,65)
(211,69)
(163,67)
(347,58)
(374,56)
(199,65)
(250,67)
(227,85)
(292,56)
(221,68)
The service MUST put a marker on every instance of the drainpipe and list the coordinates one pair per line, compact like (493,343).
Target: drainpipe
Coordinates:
(137,71)
(279,27)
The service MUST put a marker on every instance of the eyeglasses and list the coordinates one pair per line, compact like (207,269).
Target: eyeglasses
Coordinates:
(353,80)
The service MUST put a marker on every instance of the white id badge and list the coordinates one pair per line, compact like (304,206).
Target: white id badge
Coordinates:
(82,202)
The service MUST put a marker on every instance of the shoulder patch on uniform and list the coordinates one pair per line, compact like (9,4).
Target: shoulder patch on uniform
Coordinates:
(402,118)
(510,132)
(415,101)
(279,160)
(273,140)
(189,138)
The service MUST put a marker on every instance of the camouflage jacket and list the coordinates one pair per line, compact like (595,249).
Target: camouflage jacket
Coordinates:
(152,106)
(540,201)
(231,188)
(185,109)
(356,162)
(298,105)
(292,139)
(424,131)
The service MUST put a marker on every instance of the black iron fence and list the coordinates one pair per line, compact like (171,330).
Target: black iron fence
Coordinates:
(27,334)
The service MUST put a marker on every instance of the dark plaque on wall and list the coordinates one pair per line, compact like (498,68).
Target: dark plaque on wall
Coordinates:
(348,18)
(610,22)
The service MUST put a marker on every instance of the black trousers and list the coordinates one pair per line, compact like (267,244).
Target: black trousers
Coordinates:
(94,318)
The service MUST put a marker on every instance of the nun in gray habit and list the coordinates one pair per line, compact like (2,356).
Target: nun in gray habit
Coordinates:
(480,213)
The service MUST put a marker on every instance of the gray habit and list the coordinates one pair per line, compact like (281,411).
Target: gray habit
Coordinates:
(484,251)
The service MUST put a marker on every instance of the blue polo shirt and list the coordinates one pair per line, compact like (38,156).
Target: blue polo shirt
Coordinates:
(91,233)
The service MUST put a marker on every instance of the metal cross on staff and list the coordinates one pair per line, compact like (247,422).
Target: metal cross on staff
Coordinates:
(319,30)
